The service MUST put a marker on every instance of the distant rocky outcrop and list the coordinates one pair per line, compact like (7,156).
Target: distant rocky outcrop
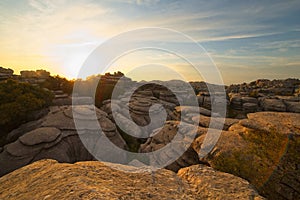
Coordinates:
(260,95)
(265,95)
(97,180)
(5,73)
(41,74)
(55,136)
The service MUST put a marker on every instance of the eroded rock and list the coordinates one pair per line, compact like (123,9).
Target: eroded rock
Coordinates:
(55,136)
(97,180)
(212,184)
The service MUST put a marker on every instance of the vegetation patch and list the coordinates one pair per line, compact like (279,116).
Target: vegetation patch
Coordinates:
(17,103)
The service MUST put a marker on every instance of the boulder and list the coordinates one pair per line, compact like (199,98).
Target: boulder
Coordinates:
(40,135)
(262,149)
(236,102)
(249,100)
(250,107)
(273,105)
(212,184)
(192,109)
(24,128)
(100,180)
(55,136)
(205,121)
(293,106)
(159,138)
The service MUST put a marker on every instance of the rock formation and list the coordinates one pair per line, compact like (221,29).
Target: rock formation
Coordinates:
(55,136)
(261,149)
(5,73)
(96,180)
(265,95)
(260,142)
(209,184)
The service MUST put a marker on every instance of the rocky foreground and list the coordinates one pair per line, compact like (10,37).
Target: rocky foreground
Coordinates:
(97,180)
(262,149)
(259,142)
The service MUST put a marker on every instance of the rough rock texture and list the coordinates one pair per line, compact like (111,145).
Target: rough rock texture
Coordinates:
(138,110)
(48,179)
(262,149)
(267,87)
(285,123)
(209,184)
(166,135)
(204,121)
(292,106)
(273,105)
(265,95)
(55,137)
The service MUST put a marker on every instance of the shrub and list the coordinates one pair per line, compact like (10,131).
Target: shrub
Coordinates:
(17,103)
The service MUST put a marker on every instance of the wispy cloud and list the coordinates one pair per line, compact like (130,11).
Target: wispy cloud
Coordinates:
(43,6)
(238,34)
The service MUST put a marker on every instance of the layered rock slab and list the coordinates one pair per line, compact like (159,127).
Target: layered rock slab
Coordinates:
(56,136)
(48,179)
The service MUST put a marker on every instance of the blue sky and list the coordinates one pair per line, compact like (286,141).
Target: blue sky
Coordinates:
(247,40)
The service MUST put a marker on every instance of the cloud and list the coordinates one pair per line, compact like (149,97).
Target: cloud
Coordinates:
(62,30)
(138,2)
(43,6)
(283,44)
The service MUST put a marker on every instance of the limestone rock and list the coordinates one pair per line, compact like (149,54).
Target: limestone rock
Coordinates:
(293,106)
(15,134)
(284,123)
(236,102)
(249,100)
(205,121)
(40,135)
(273,105)
(262,149)
(192,109)
(164,136)
(56,137)
(250,107)
(99,180)
(211,184)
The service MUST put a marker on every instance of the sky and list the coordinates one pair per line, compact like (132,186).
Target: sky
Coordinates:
(245,40)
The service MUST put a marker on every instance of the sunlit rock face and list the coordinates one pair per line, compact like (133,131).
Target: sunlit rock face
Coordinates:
(262,149)
(98,180)
(56,136)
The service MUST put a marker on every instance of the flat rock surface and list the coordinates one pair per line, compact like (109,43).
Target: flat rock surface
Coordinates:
(55,137)
(283,122)
(40,135)
(212,184)
(48,179)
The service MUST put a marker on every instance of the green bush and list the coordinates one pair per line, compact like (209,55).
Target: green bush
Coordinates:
(58,83)
(17,103)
